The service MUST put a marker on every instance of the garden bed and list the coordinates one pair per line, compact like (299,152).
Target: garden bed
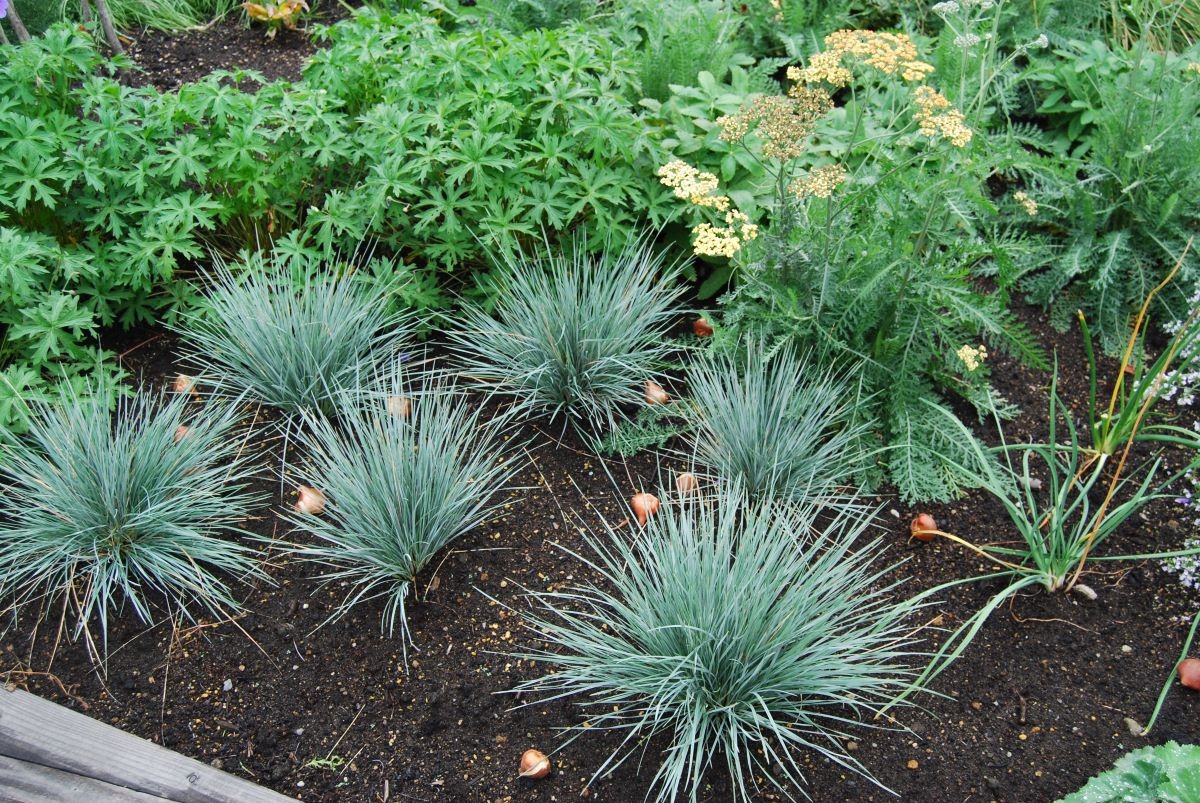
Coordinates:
(328,711)
(1033,708)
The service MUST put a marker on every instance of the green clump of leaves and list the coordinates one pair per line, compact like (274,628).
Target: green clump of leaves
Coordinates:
(651,428)
(1165,773)
(401,483)
(1122,189)
(294,344)
(575,336)
(483,136)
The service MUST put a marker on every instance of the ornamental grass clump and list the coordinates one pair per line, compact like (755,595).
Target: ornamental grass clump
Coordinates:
(730,632)
(399,484)
(776,424)
(292,339)
(575,336)
(101,511)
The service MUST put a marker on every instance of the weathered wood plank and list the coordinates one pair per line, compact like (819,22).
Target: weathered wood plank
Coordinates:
(22,782)
(40,732)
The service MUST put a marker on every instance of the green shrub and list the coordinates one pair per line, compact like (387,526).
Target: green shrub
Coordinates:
(104,512)
(740,634)
(400,485)
(108,196)
(1127,202)
(297,344)
(574,337)
(877,224)
(473,137)
(679,39)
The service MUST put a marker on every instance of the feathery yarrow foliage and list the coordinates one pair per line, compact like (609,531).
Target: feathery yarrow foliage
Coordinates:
(744,631)
(292,342)
(775,424)
(401,482)
(575,336)
(127,509)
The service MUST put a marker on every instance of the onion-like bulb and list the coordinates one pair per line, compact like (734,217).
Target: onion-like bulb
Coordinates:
(644,506)
(702,328)
(922,527)
(534,764)
(399,406)
(655,393)
(181,432)
(311,501)
(185,384)
(1189,673)
(686,483)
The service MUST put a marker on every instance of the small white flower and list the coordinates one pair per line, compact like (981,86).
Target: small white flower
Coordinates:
(966,40)
(1041,41)
(949,7)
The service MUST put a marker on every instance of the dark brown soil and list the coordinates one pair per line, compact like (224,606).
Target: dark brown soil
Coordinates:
(167,62)
(1035,706)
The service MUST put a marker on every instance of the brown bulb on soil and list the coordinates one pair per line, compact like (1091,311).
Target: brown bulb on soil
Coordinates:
(644,506)
(311,501)
(702,328)
(1189,673)
(922,527)
(686,483)
(534,764)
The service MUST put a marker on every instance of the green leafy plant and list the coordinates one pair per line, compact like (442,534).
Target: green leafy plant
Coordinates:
(574,337)
(777,425)
(1128,218)
(401,481)
(862,258)
(741,633)
(102,512)
(481,136)
(651,428)
(296,346)
(1126,418)
(1052,504)
(680,39)
(1165,773)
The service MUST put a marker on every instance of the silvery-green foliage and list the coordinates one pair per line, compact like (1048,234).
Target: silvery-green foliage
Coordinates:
(777,424)
(741,633)
(126,509)
(294,339)
(573,336)
(400,483)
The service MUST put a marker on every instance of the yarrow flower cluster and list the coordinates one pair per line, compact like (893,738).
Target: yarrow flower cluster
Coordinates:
(1193,67)
(1028,204)
(819,183)
(724,241)
(972,357)
(889,53)
(698,188)
(785,123)
(966,40)
(935,116)
(692,185)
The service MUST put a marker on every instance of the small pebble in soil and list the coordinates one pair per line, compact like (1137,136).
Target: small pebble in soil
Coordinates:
(1125,648)
(913,764)
(227,685)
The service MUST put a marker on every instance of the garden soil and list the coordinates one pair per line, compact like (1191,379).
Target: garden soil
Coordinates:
(336,711)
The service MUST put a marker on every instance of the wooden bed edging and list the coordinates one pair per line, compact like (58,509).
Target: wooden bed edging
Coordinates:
(43,744)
